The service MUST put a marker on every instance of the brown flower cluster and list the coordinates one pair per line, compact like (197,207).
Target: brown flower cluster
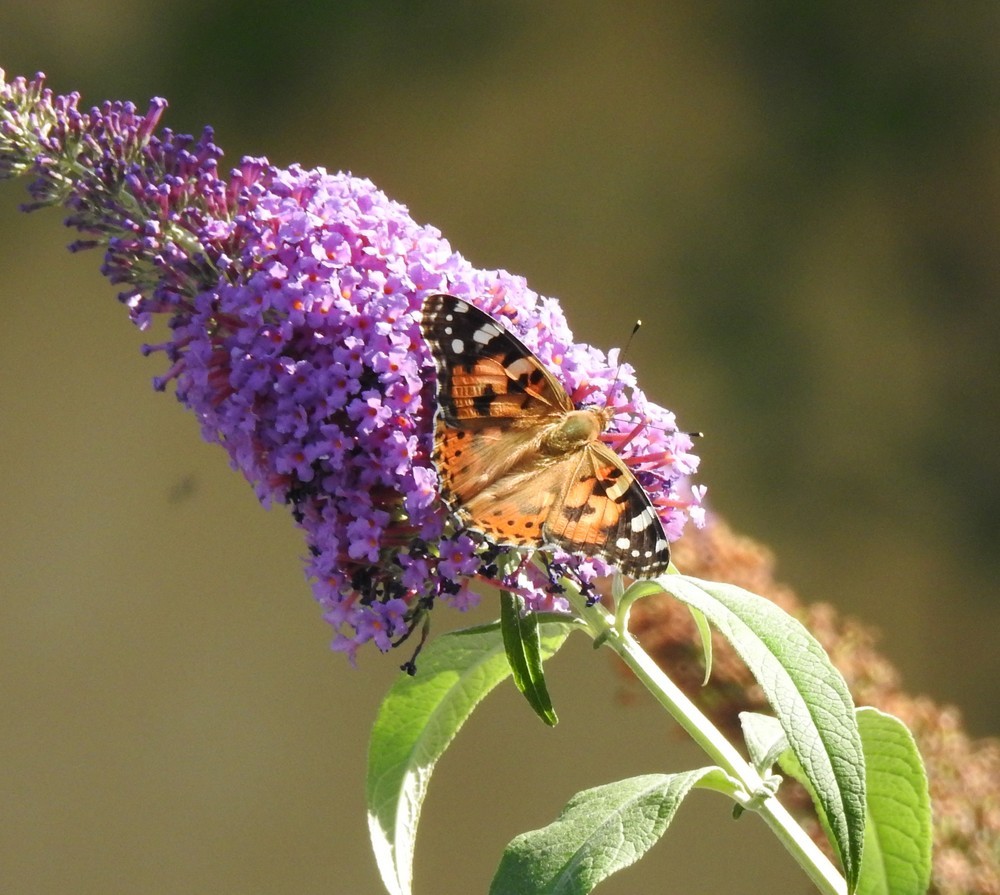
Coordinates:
(964,774)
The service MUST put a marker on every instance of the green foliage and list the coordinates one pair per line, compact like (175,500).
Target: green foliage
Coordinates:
(765,740)
(523,646)
(808,695)
(898,833)
(840,754)
(599,832)
(417,720)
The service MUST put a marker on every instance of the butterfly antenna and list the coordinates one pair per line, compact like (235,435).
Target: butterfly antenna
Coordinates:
(621,361)
(614,382)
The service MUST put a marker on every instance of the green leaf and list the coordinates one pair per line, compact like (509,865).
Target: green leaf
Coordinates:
(639,590)
(417,720)
(523,646)
(599,832)
(765,740)
(705,633)
(898,835)
(808,696)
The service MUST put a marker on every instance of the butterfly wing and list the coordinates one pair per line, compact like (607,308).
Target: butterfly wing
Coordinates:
(603,510)
(585,502)
(483,371)
(513,507)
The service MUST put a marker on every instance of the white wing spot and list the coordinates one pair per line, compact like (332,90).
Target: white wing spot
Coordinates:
(643,520)
(457,346)
(623,543)
(618,488)
(486,334)
(520,367)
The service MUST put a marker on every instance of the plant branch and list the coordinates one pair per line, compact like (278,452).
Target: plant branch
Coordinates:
(601,624)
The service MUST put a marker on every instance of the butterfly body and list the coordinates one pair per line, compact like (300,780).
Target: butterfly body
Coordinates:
(517,461)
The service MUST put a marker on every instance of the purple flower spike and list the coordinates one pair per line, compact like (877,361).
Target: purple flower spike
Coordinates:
(293,300)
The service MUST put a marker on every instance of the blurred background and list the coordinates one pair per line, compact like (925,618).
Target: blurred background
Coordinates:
(802,202)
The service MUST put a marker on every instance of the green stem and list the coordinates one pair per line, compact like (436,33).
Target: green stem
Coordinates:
(809,856)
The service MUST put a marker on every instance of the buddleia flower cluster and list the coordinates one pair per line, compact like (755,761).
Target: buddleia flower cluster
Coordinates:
(291,300)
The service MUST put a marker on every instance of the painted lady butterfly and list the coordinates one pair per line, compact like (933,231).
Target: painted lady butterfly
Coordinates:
(517,461)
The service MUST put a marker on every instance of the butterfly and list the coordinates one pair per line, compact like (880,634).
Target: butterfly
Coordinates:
(517,461)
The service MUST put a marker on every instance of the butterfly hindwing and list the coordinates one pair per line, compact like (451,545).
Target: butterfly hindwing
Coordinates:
(472,462)
(606,511)
(504,469)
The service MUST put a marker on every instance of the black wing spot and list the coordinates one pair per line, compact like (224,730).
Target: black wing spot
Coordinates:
(575,514)
(515,354)
(482,403)
(527,380)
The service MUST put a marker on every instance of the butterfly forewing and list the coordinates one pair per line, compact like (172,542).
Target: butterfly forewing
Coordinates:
(501,472)
(483,370)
